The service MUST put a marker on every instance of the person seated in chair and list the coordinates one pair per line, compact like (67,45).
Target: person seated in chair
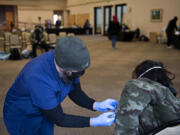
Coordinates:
(147,101)
(37,38)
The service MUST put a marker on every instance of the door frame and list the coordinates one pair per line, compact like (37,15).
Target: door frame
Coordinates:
(122,9)
(95,23)
(9,8)
(110,13)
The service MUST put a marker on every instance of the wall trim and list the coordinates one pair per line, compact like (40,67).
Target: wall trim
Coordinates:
(92,2)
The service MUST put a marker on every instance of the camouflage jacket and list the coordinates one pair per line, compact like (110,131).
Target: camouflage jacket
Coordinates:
(33,37)
(143,106)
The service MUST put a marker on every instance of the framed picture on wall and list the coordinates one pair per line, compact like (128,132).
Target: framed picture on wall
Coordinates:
(156,15)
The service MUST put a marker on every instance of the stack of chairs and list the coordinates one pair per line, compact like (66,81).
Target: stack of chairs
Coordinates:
(1,38)
(6,40)
(26,39)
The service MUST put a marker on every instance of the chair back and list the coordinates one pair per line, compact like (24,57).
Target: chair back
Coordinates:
(7,36)
(52,38)
(46,36)
(27,37)
(1,33)
(14,39)
(71,34)
(62,34)
(1,38)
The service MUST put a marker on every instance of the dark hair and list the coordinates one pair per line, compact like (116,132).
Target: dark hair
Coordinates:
(160,75)
(175,18)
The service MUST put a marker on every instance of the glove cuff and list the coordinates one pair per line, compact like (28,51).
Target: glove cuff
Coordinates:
(94,106)
(92,122)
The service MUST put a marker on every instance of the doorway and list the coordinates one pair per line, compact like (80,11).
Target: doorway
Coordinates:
(58,18)
(8,17)
(9,20)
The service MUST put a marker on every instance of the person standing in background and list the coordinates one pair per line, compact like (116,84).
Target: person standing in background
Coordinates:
(170,30)
(113,31)
(58,24)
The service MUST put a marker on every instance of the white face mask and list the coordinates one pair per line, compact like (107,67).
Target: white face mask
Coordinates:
(157,67)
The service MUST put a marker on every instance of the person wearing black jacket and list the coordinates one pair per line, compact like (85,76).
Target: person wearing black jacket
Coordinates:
(170,30)
(113,31)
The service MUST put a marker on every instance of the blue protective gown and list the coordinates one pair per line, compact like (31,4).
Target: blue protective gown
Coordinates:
(37,86)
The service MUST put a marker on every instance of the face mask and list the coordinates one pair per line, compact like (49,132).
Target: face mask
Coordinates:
(68,78)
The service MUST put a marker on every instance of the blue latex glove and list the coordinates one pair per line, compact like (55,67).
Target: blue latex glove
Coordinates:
(106,105)
(105,119)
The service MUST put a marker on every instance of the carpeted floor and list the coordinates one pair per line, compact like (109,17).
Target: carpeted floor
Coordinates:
(110,70)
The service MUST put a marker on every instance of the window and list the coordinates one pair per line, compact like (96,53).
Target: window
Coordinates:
(108,15)
(98,20)
(120,10)
(58,16)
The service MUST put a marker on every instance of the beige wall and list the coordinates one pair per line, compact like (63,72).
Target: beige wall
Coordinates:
(31,17)
(140,16)
(30,10)
(138,12)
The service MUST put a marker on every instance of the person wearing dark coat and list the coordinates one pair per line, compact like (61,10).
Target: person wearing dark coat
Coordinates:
(113,31)
(170,30)
(58,24)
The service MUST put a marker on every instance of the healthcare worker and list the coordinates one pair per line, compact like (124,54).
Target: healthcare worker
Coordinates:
(33,103)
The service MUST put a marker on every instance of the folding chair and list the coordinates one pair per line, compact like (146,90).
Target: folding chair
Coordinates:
(15,42)
(1,38)
(46,36)
(52,40)
(6,40)
(27,38)
(70,34)
(62,34)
